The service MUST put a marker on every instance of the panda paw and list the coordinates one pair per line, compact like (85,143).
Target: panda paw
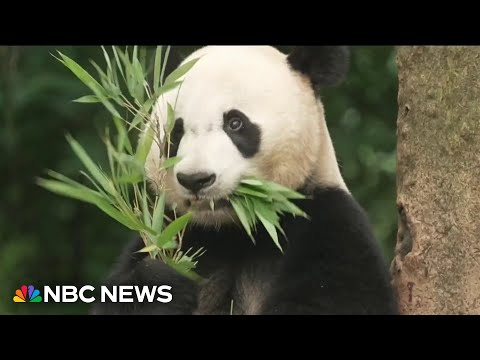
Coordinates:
(152,287)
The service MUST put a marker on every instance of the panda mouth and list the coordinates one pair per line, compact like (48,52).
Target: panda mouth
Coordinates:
(206,204)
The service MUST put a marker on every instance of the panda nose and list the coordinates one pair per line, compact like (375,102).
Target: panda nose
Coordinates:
(197,181)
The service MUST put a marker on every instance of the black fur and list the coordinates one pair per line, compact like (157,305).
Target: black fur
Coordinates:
(176,136)
(247,139)
(323,65)
(331,265)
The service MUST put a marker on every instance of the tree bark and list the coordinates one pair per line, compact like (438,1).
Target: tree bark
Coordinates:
(436,268)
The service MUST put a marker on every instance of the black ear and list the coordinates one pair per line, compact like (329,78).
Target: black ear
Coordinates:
(323,65)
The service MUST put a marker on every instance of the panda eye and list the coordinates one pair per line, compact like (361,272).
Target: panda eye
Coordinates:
(235,123)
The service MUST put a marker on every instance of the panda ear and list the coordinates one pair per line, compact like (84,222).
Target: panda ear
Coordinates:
(323,65)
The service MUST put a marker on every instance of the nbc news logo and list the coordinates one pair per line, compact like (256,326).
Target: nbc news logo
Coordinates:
(70,294)
(27,294)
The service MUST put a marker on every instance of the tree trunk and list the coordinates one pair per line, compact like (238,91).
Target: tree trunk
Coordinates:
(436,269)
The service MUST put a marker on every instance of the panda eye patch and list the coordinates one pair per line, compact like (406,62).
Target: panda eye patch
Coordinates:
(175,138)
(244,134)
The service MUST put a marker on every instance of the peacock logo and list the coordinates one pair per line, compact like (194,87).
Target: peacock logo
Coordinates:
(33,294)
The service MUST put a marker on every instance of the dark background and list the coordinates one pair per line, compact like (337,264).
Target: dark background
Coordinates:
(50,240)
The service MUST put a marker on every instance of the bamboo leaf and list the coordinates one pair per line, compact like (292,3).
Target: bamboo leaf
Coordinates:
(170,118)
(164,65)
(129,179)
(93,169)
(149,248)
(142,113)
(144,146)
(242,216)
(158,213)
(274,187)
(169,245)
(173,229)
(170,162)
(253,182)
(247,191)
(139,80)
(123,142)
(157,68)
(147,220)
(109,64)
(180,71)
(88,99)
(118,61)
(271,229)
(90,197)
(88,80)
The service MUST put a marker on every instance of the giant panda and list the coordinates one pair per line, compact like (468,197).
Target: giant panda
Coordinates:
(255,111)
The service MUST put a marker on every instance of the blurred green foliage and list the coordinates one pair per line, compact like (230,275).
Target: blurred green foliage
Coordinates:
(50,240)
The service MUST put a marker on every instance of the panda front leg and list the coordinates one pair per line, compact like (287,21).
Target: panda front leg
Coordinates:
(137,269)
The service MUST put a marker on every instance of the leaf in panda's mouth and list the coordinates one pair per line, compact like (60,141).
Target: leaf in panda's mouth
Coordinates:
(207,205)
(256,200)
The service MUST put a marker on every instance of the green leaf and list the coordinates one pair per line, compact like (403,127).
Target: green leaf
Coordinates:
(170,245)
(249,207)
(165,88)
(158,213)
(144,110)
(107,60)
(157,68)
(274,187)
(242,216)
(77,185)
(94,183)
(88,80)
(142,113)
(164,65)
(135,53)
(183,267)
(93,169)
(245,190)
(145,210)
(88,196)
(129,179)
(123,142)
(128,161)
(144,146)
(267,212)
(170,118)
(103,77)
(180,71)
(291,208)
(129,79)
(143,58)
(70,190)
(81,73)
(139,80)
(87,99)
(170,162)
(173,229)
(253,182)
(148,249)
(271,229)
(118,61)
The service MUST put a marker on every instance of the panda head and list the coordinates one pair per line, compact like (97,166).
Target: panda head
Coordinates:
(246,111)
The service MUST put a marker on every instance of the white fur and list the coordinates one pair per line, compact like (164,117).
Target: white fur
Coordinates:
(258,81)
